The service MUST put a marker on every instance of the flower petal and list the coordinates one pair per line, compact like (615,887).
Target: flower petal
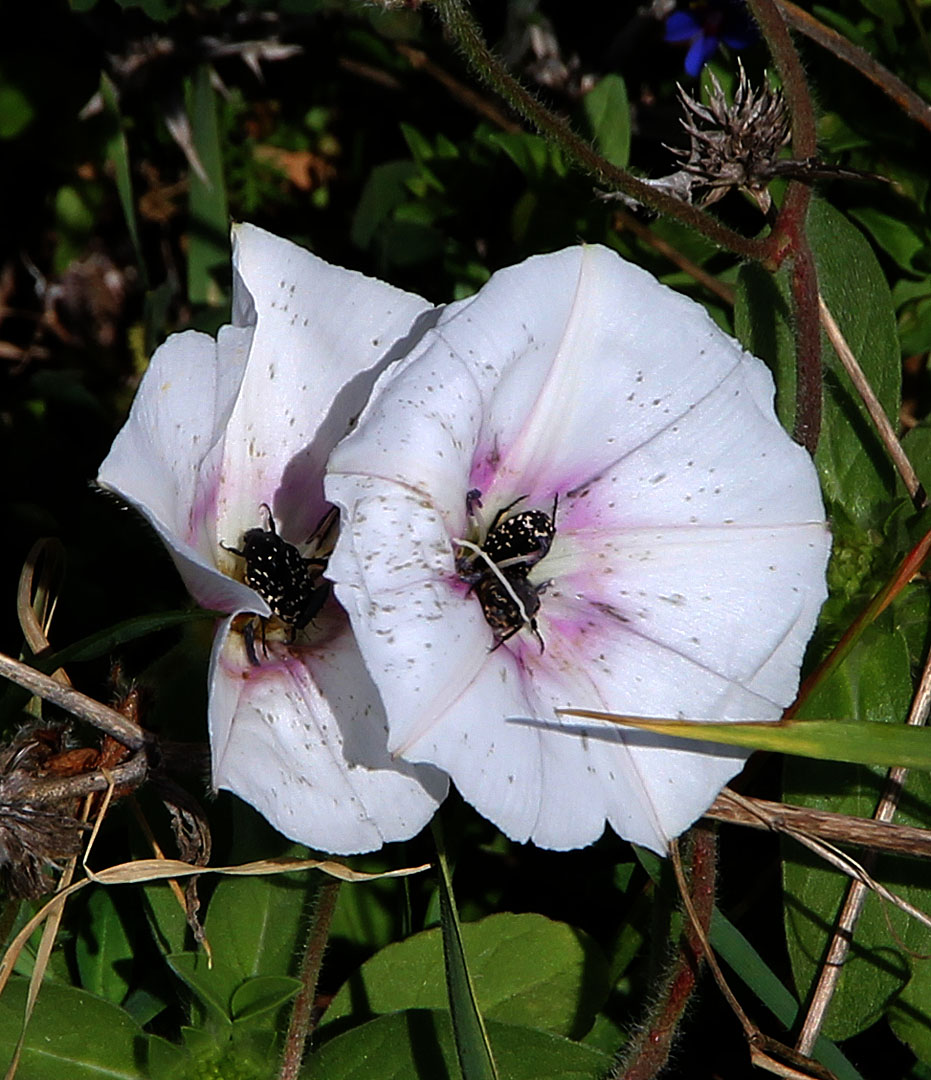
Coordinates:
(167,455)
(700,52)
(686,573)
(302,737)
(322,335)
(681,26)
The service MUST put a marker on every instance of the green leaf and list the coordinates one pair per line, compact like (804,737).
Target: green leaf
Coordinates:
(385,190)
(532,154)
(208,251)
(103,950)
(166,1061)
(72,1035)
(16,111)
(211,983)
(910,1014)
(159,10)
(476,1059)
(873,682)
(259,996)
(526,969)
(165,916)
(109,640)
(254,924)
(854,468)
(900,240)
(419,1045)
(118,156)
(608,113)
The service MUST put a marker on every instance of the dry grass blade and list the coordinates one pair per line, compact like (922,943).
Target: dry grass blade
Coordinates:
(891,85)
(839,946)
(873,407)
(142,870)
(36,596)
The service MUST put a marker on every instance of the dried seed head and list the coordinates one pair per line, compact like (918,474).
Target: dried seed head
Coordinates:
(734,145)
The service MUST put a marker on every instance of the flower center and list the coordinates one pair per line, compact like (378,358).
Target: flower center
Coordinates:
(290,583)
(497,568)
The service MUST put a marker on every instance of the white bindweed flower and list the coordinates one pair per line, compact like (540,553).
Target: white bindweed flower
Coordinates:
(574,493)
(230,436)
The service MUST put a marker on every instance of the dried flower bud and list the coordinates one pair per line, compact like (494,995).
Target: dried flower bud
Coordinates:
(734,145)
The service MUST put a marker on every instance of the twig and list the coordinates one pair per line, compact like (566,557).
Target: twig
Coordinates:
(74,702)
(838,828)
(462,93)
(871,402)
(891,85)
(856,894)
(624,220)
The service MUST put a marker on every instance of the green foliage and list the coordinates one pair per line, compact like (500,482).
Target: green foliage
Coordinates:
(419,1043)
(373,144)
(526,969)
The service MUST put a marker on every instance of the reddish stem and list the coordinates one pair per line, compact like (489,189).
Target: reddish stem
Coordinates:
(807,349)
(648,1051)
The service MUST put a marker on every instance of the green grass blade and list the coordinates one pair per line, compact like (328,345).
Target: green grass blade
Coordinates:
(208,239)
(730,944)
(472,1046)
(118,156)
(857,741)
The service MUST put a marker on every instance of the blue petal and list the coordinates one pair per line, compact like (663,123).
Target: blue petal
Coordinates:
(701,51)
(681,26)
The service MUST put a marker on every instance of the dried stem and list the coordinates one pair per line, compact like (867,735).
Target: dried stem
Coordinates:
(856,893)
(458,20)
(462,93)
(873,407)
(838,828)
(101,716)
(623,220)
(891,85)
(301,1014)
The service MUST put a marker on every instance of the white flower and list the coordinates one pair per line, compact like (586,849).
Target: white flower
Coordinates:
(684,577)
(220,433)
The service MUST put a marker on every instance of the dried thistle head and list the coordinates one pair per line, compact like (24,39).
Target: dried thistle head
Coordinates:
(734,145)
(35,832)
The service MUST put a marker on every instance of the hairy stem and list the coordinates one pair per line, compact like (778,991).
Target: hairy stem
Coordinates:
(648,1051)
(808,385)
(300,1025)
(458,20)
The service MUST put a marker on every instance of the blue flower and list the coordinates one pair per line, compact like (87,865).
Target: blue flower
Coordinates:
(705,25)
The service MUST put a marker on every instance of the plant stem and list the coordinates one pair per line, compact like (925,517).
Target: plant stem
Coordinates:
(464,29)
(317,934)
(808,382)
(648,1051)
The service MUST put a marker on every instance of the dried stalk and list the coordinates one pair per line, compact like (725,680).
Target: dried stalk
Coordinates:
(856,894)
